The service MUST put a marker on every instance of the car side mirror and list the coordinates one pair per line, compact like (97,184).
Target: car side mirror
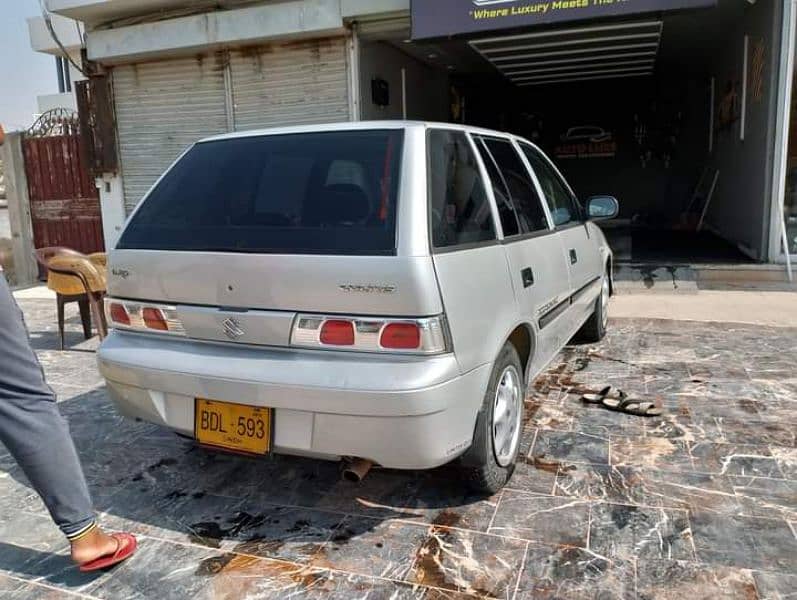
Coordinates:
(600,208)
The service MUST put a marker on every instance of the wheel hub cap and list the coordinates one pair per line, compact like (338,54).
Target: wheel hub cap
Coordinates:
(506,416)
(605,293)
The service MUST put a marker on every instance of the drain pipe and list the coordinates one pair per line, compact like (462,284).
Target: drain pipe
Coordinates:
(356,469)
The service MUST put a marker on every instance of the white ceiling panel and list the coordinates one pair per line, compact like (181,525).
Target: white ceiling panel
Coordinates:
(575,54)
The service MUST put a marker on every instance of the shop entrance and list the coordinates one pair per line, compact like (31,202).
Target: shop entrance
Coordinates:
(633,108)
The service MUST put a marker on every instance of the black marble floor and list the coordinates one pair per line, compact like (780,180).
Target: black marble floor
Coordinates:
(700,503)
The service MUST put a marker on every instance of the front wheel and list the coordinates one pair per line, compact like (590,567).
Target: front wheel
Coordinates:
(490,461)
(594,329)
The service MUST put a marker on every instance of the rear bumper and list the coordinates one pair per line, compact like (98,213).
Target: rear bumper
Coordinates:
(399,411)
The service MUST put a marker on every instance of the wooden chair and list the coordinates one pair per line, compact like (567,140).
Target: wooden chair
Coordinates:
(76,277)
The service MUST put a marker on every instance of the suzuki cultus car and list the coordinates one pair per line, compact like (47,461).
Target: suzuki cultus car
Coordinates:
(382,292)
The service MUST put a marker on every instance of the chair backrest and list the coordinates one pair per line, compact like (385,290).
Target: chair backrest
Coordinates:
(61,263)
(43,255)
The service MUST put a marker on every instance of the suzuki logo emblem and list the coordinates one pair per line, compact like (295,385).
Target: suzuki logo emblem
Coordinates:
(232,328)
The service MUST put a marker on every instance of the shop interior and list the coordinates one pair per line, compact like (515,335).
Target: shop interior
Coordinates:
(642,109)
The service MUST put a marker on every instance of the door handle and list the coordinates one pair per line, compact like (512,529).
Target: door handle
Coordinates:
(528,277)
(573,256)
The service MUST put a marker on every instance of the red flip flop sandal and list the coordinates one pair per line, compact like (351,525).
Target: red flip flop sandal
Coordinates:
(126,546)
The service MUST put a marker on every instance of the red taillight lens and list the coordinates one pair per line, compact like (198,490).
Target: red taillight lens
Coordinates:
(153,319)
(119,314)
(337,333)
(401,336)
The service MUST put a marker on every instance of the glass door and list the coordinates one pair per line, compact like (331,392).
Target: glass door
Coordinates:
(785,185)
(790,187)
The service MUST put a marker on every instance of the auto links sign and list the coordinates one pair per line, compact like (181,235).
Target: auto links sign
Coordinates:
(441,18)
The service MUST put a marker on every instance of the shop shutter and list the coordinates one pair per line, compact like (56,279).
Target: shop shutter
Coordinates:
(161,109)
(290,83)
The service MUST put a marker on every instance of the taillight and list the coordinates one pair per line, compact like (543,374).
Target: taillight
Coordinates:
(118,314)
(153,319)
(138,316)
(401,336)
(337,333)
(368,334)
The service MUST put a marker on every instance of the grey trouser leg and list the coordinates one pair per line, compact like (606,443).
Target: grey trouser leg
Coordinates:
(33,430)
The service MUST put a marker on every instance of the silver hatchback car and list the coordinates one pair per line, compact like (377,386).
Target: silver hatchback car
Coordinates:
(380,291)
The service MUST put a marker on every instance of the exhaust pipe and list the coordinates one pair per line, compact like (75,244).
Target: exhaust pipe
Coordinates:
(356,469)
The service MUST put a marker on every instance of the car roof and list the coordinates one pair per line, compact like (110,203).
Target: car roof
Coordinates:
(352,126)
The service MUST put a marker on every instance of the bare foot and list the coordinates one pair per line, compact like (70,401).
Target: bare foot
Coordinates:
(95,544)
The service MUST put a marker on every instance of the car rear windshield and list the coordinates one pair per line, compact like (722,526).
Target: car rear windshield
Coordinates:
(308,193)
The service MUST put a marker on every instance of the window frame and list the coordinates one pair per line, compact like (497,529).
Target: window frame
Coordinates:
(535,184)
(479,140)
(497,229)
(518,237)
(577,222)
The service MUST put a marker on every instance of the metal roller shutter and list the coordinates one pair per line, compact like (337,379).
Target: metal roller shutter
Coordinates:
(291,83)
(161,108)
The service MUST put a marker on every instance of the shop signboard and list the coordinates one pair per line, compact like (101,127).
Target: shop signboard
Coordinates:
(587,141)
(442,18)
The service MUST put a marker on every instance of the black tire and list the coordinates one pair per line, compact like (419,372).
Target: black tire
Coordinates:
(594,330)
(484,474)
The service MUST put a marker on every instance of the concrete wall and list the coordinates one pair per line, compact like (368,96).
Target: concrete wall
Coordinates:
(98,11)
(741,207)
(21,265)
(427,88)
(67,30)
(294,20)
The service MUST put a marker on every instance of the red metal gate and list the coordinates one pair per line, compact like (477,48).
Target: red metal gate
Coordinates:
(64,202)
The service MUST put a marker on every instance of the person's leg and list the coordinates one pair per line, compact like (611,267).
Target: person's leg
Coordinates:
(37,436)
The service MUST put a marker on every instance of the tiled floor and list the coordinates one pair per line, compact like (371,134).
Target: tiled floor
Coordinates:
(701,503)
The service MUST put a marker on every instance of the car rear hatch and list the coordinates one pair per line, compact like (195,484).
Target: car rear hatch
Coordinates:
(245,234)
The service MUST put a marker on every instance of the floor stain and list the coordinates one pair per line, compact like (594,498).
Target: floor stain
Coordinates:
(342,536)
(207,534)
(164,462)
(211,533)
(175,495)
(546,464)
(672,271)
(298,526)
(447,518)
(259,547)
(214,565)
(428,567)
(648,276)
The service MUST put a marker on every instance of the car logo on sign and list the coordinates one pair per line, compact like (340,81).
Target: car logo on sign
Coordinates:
(232,328)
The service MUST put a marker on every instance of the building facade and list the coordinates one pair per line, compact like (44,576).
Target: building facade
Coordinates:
(678,107)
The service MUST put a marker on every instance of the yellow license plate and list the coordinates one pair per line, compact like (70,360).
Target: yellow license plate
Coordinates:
(231,426)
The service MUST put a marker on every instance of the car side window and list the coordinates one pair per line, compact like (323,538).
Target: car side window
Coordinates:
(563,206)
(460,212)
(527,203)
(503,199)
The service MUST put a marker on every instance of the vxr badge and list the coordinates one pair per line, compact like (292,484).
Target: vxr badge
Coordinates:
(232,328)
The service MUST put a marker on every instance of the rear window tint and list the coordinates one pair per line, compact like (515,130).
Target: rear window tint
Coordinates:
(460,211)
(309,193)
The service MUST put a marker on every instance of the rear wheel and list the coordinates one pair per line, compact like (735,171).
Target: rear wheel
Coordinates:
(490,461)
(594,329)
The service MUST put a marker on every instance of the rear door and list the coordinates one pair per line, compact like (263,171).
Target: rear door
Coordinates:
(581,249)
(537,266)
(470,262)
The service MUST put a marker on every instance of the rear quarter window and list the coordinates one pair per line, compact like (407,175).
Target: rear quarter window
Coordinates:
(459,210)
(309,193)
